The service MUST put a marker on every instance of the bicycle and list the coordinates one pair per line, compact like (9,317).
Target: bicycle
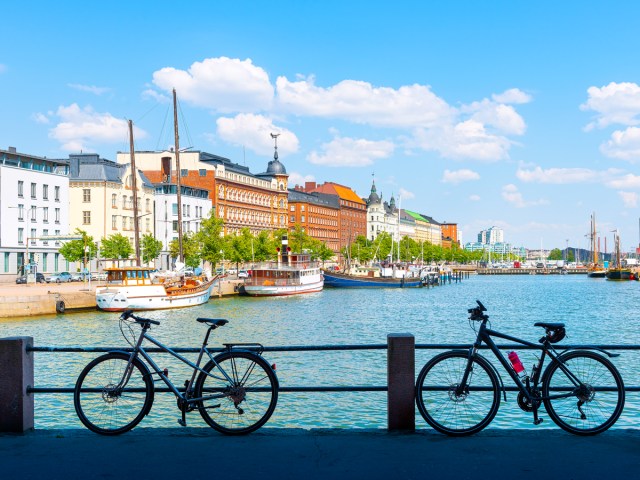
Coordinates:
(458,392)
(235,392)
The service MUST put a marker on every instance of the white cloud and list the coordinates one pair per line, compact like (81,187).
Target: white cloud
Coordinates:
(351,152)
(222,84)
(40,118)
(296,178)
(511,194)
(474,198)
(89,88)
(82,128)
(503,118)
(561,175)
(513,95)
(459,176)
(156,96)
(624,144)
(361,102)
(406,194)
(468,139)
(254,132)
(630,199)
(616,103)
(627,181)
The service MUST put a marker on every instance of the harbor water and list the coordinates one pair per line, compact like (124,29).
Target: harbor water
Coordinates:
(595,311)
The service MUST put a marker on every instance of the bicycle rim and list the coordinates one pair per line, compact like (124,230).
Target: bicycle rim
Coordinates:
(595,406)
(451,408)
(244,404)
(104,409)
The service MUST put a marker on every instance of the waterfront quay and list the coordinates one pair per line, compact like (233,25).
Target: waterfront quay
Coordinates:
(276,453)
(531,271)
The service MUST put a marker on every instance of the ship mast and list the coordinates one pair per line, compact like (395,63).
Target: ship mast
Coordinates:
(134,190)
(178,175)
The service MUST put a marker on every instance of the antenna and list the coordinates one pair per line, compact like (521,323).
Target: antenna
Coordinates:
(275,139)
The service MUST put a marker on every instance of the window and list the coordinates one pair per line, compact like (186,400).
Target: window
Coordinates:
(114,219)
(33,236)
(175,225)
(302,208)
(86,217)
(124,223)
(148,205)
(33,213)
(33,190)
(57,212)
(114,200)
(45,192)
(148,221)
(45,232)
(174,209)
(124,201)
(184,172)
(86,195)
(21,212)
(45,214)
(293,208)
(302,218)
(57,193)
(6,261)
(20,188)
(21,235)
(293,219)
(202,172)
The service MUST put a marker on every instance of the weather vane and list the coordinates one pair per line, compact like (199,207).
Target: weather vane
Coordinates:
(275,138)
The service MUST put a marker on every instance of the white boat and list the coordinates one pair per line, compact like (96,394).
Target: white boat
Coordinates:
(132,288)
(291,274)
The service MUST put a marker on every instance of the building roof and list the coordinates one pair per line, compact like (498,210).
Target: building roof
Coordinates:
(91,167)
(345,193)
(316,198)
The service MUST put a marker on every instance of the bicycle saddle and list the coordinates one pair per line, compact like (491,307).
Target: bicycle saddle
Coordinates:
(549,326)
(213,322)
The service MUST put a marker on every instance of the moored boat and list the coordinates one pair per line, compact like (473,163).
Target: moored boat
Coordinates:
(618,272)
(133,288)
(594,269)
(291,274)
(343,280)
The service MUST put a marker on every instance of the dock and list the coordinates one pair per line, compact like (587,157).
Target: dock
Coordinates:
(532,271)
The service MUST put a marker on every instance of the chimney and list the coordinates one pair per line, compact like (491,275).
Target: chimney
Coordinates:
(12,150)
(309,186)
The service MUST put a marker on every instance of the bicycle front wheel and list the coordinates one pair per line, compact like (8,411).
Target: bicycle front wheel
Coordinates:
(595,404)
(239,391)
(103,404)
(453,408)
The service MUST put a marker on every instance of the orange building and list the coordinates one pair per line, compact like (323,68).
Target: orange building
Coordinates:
(352,220)
(449,234)
(318,214)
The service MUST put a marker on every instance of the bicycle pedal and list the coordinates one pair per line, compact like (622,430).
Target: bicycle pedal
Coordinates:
(182,422)
(538,421)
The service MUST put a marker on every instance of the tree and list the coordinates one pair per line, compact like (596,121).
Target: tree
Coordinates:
(555,254)
(191,249)
(239,247)
(210,238)
(116,247)
(151,248)
(74,250)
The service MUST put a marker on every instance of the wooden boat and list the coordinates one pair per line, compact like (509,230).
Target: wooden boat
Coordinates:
(291,274)
(594,269)
(618,272)
(133,288)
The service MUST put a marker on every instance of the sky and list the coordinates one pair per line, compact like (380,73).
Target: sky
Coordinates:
(519,115)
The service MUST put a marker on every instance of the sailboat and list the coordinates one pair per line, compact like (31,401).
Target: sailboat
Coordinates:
(135,287)
(594,270)
(617,272)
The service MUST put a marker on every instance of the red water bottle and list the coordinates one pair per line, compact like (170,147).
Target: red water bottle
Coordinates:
(516,363)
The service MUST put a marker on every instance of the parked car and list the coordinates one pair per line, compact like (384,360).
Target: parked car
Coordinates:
(23,279)
(232,271)
(99,276)
(243,274)
(61,277)
(79,276)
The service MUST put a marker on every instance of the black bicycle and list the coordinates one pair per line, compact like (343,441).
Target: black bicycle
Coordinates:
(235,392)
(458,392)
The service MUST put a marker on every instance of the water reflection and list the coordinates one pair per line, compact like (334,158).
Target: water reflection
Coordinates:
(594,311)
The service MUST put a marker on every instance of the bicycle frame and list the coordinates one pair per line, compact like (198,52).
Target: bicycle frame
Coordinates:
(139,350)
(485,335)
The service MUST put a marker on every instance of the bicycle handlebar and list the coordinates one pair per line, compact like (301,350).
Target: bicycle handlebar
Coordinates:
(129,314)
(476,313)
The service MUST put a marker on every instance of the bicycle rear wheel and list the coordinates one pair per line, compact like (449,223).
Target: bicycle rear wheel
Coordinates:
(450,407)
(105,407)
(244,401)
(595,405)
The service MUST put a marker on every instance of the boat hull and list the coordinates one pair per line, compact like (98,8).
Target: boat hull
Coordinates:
(597,274)
(281,290)
(620,274)
(153,297)
(339,280)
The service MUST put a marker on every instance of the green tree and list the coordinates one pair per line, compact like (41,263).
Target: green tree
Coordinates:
(191,249)
(116,247)
(151,248)
(555,254)
(264,247)
(81,249)
(210,238)
(239,247)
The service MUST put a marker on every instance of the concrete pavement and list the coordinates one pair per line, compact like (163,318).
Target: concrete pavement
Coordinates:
(151,453)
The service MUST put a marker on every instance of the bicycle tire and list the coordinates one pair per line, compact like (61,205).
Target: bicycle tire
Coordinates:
(601,408)
(247,403)
(102,409)
(457,414)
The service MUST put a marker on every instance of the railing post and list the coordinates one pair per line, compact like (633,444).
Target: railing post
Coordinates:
(401,382)
(16,374)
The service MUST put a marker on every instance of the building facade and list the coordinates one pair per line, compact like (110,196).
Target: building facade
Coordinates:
(318,214)
(381,216)
(34,205)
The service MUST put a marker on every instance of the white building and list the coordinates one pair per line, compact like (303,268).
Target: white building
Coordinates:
(381,217)
(491,235)
(196,206)
(34,203)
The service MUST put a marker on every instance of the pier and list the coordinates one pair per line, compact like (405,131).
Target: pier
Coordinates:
(532,271)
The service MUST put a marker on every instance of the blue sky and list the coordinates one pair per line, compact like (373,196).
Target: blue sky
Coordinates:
(521,115)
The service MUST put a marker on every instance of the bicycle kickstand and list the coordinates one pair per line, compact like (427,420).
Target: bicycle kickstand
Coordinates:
(183,421)
(536,419)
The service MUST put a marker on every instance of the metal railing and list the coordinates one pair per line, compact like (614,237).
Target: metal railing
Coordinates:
(317,348)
